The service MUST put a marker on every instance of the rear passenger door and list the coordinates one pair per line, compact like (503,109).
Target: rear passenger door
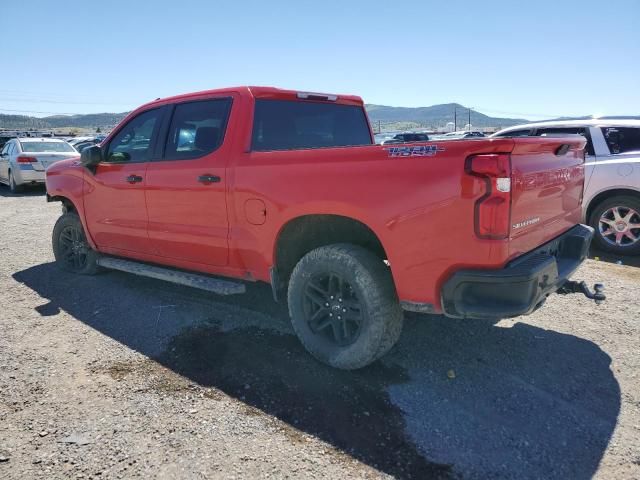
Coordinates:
(186,186)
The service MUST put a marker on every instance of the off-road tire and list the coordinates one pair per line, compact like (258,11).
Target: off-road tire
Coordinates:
(70,222)
(626,201)
(371,282)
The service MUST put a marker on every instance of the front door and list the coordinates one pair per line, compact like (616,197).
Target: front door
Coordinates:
(114,196)
(186,188)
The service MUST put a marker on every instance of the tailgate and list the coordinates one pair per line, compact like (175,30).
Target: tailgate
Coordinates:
(547,182)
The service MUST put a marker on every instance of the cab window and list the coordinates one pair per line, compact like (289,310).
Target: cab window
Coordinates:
(197,128)
(134,142)
(292,125)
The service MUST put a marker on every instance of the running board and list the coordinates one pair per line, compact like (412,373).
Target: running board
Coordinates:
(203,282)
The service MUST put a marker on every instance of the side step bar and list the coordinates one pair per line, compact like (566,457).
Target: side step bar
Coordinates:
(203,282)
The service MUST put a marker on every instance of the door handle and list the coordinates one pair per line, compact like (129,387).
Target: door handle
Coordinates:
(209,179)
(134,178)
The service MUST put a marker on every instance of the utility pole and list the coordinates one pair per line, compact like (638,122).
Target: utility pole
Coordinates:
(469,119)
(455,119)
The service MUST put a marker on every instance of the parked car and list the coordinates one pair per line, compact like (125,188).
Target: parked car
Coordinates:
(286,187)
(80,146)
(23,161)
(406,137)
(611,203)
(461,134)
(75,140)
(4,139)
(381,137)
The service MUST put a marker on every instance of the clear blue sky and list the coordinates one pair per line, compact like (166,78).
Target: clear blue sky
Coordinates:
(506,58)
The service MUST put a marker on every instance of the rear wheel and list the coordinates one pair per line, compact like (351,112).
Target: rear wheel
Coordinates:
(13,186)
(343,306)
(617,224)
(70,247)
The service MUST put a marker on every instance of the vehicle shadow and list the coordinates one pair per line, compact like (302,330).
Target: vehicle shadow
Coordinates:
(596,254)
(454,399)
(29,191)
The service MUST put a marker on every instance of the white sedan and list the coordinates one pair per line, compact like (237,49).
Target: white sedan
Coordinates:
(23,161)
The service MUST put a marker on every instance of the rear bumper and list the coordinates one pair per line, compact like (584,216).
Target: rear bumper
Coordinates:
(28,175)
(523,285)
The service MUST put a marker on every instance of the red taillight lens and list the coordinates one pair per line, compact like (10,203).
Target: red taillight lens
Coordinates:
(493,210)
(23,159)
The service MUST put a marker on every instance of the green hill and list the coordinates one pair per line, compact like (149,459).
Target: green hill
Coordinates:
(435,116)
(426,117)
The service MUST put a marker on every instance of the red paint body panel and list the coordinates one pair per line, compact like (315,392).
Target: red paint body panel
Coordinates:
(115,210)
(421,208)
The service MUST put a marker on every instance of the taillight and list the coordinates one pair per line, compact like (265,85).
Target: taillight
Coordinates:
(493,210)
(23,159)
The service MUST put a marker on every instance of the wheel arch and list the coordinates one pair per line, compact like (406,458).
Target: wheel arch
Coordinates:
(301,234)
(67,203)
(605,195)
(70,205)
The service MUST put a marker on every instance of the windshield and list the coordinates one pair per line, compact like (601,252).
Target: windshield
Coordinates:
(41,147)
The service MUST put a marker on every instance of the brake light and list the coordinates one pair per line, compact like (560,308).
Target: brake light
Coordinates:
(493,210)
(23,159)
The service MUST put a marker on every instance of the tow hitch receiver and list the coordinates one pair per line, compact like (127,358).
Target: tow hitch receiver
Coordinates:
(580,287)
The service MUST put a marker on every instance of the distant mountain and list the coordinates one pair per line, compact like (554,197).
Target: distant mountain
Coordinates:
(399,117)
(436,116)
(92,120)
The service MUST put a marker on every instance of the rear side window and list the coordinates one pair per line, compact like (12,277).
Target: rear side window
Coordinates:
(197,128)
(542,132)
(291,125)
(622,139)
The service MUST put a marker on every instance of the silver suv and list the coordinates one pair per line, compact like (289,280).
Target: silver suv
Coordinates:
(611,201)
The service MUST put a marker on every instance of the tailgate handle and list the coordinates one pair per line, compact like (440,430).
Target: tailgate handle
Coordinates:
(134,179)
(209,179)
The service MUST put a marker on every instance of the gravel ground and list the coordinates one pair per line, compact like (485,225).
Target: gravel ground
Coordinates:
(116,376)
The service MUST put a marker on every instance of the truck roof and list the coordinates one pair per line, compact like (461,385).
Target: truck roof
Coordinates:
(266,92)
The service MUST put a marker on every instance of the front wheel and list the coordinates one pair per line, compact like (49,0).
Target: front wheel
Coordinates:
(70,247)
(343,306)
(617,224)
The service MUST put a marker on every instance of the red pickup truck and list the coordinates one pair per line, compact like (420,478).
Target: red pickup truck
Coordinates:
(286,187)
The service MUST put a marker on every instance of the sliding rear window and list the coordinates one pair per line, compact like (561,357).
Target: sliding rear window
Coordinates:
(292,125)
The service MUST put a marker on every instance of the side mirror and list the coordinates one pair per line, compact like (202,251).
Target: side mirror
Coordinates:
(91,156)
